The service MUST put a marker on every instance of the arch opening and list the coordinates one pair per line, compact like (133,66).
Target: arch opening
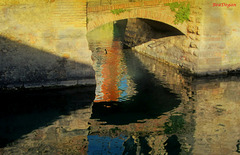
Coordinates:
(163,28)
(139,31)
(136,31)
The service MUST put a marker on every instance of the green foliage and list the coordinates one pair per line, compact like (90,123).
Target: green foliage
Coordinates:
(118,11)
(182,11)
(175,124)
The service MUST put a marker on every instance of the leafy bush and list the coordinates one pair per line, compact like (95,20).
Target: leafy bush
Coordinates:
(182,11)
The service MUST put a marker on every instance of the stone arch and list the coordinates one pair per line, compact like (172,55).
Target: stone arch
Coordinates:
(165,16)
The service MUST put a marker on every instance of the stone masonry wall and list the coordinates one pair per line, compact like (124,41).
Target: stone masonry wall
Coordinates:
(153,10)
(137,32)
(211,43)
(43,42)
(219,37)
(174,49)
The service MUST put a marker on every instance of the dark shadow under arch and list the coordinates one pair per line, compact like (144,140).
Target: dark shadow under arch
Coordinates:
(138,31)
(167,29)
(151,28)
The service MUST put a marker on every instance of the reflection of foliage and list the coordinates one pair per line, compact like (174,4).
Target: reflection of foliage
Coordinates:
(182,11)
(114,130)
(174,125)
(118,11)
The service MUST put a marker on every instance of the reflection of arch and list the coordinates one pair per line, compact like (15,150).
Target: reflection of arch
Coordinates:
(129,146)
(238,146)
(142,146)
(172,145)
(140,106)
(161,14)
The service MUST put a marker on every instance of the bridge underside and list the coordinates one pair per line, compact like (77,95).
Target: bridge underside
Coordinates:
(139,31)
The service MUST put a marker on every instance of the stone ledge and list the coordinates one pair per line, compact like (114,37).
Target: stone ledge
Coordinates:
(50,84)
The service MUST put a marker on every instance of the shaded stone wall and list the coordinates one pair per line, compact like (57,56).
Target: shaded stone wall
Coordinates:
(44,43)
(137,32)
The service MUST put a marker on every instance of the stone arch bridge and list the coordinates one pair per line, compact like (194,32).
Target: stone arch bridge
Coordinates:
(43,42)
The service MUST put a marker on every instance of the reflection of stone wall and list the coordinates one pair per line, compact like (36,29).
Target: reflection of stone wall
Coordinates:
(210,109)
(150,130)
(169,76)
(181,85)
(154,129)
(217,117)
(67,135)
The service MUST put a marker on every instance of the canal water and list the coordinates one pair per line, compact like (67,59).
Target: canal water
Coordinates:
(139,106)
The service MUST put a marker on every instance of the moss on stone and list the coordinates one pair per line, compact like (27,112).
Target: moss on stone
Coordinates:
(118,11)
(182,11)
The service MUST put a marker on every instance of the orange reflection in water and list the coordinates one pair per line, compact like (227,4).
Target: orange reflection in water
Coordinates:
(110,73)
